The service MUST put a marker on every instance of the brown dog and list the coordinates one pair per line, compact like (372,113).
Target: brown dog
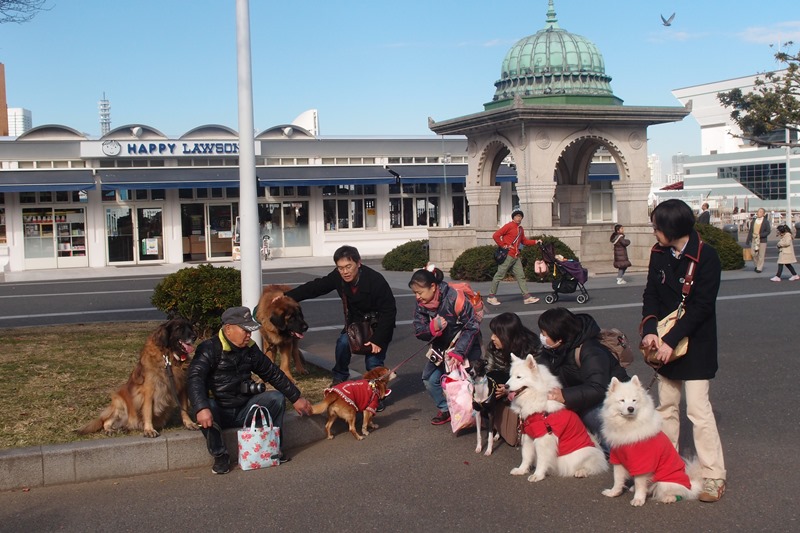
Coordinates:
(282,327)
(347,399)
(146,400)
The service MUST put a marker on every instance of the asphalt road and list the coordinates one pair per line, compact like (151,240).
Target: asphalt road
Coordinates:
(411,476)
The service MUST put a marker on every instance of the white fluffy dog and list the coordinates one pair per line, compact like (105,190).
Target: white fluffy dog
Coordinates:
(553,437)
(639,448)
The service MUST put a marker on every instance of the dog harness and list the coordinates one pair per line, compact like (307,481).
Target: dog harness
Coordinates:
(655,455)
(362,394)
(564,424)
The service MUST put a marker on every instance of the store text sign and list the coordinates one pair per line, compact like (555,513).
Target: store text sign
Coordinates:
(165,148)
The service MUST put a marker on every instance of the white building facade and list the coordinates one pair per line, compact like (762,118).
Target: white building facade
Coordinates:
(20,120)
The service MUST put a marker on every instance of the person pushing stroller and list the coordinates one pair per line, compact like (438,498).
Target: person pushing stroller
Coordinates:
(510,237)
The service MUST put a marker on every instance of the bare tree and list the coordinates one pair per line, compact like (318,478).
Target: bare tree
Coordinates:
(772,107)
(20,10)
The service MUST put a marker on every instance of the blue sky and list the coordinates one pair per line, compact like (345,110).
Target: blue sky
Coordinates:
(369,67)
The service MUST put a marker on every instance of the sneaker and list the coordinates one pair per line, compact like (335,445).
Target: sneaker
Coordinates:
(381,406)
(530,300)
(442,417)
(794,278)
(491,300)
(621,281)
(713,489)
(774,278)
(758,271)
(222,464)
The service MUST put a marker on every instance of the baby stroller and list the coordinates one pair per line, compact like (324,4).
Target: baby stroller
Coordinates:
(570,276)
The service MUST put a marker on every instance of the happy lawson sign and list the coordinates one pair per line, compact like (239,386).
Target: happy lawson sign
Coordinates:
(161,149)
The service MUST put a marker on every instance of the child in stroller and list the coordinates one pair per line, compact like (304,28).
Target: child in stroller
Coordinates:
(570,276)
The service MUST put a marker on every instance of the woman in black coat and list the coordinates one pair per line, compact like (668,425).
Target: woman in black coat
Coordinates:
(678,246)
(621,261)
(584,385)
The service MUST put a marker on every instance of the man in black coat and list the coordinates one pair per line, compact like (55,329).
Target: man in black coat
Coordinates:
(223,365)
(365,295)
(678,246)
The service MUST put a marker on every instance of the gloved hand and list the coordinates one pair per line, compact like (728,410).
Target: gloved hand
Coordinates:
(438,323)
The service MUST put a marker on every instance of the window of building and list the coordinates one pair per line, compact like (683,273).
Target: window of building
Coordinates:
(601,201)
(347,207)
(460,205)
(767,180)
(2,224)
(413,205)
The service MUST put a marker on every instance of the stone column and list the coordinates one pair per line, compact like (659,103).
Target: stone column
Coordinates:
(536,200)
(573,204)
(631,203)
(483,200)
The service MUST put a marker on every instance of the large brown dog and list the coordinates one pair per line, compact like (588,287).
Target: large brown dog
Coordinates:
(350,397)
(282,327)
(146,400)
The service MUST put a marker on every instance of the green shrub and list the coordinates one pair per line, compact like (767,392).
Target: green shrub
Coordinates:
(407,257)
(200,295)
(730,253)
(475,264)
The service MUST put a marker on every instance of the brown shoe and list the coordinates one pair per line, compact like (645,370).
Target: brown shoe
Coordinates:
(713,489)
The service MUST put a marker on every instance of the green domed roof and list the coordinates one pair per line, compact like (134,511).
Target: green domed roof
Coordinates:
(554,66)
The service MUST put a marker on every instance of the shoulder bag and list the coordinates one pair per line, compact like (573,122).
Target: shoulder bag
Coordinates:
(667,323)
(359,332)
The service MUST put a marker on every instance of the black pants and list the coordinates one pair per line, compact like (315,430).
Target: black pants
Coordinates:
(230,417)
(789,267)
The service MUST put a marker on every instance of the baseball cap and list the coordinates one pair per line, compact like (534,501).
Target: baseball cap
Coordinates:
(240,316)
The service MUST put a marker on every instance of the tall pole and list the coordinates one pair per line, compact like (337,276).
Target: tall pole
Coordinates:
(788,180)
(248,197)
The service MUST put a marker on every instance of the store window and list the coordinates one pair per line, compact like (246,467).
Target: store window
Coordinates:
(601,201)
(414,204)
(460,205)
(2,219)
(347,207)
(38,226)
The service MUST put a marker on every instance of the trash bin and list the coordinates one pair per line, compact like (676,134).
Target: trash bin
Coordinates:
(732,230)
(797,228)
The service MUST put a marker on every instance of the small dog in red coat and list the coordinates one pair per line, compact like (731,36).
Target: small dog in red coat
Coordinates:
(639,448)
(349,398)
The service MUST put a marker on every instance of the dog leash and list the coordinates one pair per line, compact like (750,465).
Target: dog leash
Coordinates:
(404,361)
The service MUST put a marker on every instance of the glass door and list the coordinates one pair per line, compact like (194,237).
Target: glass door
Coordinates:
(220,231)
(150,233)
(193,229)
(71,238)
(40,244)
(119,233)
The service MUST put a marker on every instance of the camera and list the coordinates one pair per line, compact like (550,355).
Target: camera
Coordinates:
(249,386)
(434,356)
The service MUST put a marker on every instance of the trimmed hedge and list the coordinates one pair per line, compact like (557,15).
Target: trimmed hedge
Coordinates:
(407,257)
(730,252)
(477,264)
(199,295)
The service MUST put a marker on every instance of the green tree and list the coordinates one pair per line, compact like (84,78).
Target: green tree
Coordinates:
(772,106)
(20,10)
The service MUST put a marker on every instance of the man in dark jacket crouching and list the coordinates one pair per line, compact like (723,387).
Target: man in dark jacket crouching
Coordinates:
(223,365)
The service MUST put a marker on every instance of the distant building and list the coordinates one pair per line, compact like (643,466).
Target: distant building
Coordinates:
(20,120)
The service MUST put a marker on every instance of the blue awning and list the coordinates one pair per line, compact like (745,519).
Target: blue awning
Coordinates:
(167,178)
(46,180)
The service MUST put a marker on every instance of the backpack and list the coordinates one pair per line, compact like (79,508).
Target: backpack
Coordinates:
(464,291)
(616,342)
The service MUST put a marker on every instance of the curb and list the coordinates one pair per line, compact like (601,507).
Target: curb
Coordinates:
(77,462)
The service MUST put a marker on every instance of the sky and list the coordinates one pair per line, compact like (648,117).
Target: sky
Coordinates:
(373,67)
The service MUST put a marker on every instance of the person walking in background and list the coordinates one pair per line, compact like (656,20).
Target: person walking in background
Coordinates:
(510,237)
(705,215)
(757,238)
(785,253)
(678,247)
(621,262)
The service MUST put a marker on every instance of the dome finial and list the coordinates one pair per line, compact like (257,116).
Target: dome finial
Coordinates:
(552,21)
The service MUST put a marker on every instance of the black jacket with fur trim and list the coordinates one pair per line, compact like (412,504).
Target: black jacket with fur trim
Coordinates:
(699,321)
(220,367)
(584,388)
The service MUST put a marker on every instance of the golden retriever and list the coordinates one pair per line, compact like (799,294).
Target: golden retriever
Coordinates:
(348,398)
(146,400)
(282,327)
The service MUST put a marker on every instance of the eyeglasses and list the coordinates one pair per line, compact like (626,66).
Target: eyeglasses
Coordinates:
(347,268)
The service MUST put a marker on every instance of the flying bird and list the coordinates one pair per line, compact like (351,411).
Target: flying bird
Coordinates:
(667,22)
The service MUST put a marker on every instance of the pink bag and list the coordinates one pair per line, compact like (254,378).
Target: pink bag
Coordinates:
(259,447)
(458,391)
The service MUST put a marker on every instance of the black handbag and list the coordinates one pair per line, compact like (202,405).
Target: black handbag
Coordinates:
(359,332)
(500,255)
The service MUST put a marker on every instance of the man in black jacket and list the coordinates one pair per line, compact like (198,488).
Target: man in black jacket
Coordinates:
(366,296)
(223,365)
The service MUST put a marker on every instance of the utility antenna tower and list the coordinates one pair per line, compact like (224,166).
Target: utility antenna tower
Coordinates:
(105,115)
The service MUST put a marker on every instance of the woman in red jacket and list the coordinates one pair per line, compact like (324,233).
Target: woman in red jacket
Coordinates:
(510,237)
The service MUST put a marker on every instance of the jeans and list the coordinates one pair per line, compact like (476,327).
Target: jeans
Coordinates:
(592,420)
(515,264)
(341,370)
(229,417)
